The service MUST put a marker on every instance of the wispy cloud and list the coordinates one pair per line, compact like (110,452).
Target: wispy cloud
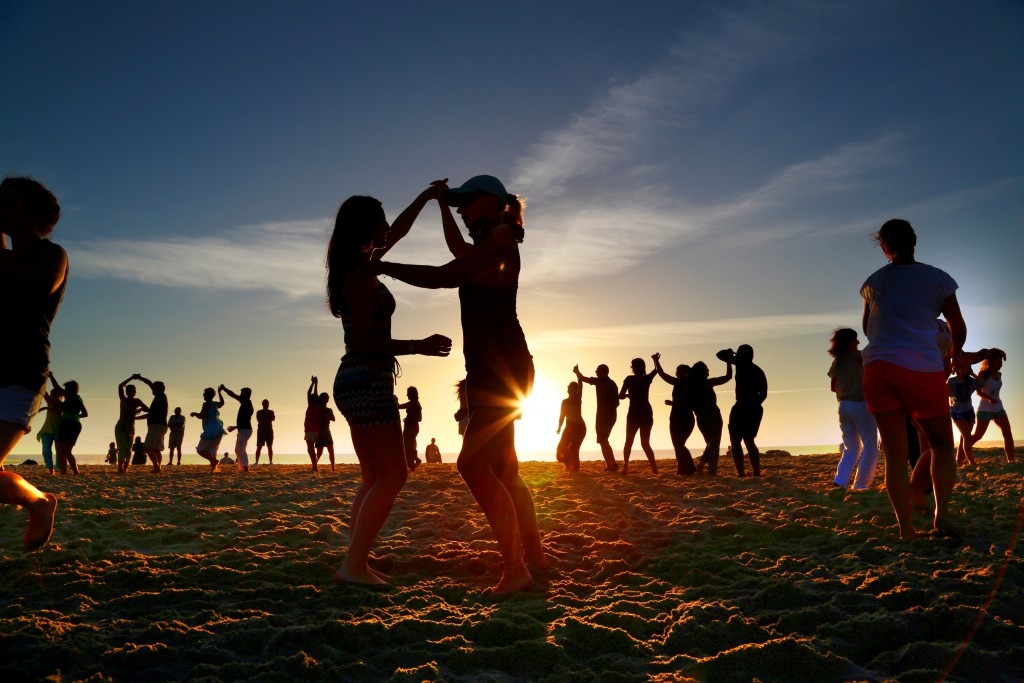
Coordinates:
(630,117)
(723,331)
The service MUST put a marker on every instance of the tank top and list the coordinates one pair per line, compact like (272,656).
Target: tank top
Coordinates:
(28,317)
(380,326)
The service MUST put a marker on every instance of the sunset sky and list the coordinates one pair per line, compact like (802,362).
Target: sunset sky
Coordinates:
(698,176)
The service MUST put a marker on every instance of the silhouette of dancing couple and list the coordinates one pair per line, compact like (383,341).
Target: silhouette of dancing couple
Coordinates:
(499,368)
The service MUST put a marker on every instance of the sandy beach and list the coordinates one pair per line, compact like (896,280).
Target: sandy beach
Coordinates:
(188,576)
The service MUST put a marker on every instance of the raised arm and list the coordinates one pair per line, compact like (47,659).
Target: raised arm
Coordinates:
(220,397)
(144,381)
(457,244)
(661,373)
(311,392)
(403,223)
(122,385)
(716,381)
(581,378)
(229,393)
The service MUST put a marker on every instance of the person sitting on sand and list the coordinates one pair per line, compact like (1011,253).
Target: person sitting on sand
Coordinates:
(243,423)
(156,423)
(33,275)
(213,428)
(265,432)
(607,393)
(138,452)
(131,409)
(680,420)
(904,373)
(640,414)
(226,460)
(433,452)
(176,435)
(745,416)
(411,426)
(701,390)
(859,449)
(324,438)
(311,422)
(571,415)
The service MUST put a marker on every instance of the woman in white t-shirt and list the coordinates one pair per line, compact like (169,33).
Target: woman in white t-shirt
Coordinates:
(904,372)
(991,409)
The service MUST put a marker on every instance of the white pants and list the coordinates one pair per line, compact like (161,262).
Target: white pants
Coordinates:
(241,442)
(860,440)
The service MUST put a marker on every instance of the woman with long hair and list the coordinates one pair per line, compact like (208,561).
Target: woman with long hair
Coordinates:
(860,434)
(364,387)
(904,371)
(701,391)
(640,415)
(499,367)
(991,409)
(680,419)
(70,426)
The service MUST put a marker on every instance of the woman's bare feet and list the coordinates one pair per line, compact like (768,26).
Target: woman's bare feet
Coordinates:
(361,575)
(40,522)
(515,579)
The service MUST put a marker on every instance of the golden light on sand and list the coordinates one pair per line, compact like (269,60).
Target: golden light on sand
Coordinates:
(536,430)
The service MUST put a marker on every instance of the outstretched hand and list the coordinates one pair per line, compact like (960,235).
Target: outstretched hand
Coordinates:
(434,345)
(436,189)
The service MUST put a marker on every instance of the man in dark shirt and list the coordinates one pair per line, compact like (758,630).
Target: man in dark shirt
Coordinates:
(243,423)
(265,432)
(607,392)
(156,422)
(745,417)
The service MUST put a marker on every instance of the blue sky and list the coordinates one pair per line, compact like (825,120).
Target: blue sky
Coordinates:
(698,175)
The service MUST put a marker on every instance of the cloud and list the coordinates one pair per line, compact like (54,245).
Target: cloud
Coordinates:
(629,118)
(666,334)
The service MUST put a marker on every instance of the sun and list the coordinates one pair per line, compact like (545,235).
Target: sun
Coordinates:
(535,432)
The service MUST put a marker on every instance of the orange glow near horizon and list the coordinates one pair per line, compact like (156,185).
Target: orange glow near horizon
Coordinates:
(535,432)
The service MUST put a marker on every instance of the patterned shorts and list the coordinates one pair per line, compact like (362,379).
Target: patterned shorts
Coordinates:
(365,394)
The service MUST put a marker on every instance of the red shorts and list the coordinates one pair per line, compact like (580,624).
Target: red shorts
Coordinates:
(921,395)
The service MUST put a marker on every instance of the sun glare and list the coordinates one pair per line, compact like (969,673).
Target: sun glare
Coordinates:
(535,432)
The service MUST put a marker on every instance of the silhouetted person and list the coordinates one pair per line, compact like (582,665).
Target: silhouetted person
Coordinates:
(990,408)
(156,423)
(311,421)
(904,372)
(499,367)
(265,432)
(462,414)
(33,274)
(680,419)
(411,426)
(745,416)
(325,440)
(857,425)
(571,416)
(243,423)
(962,386)
(131,409)
(433,453)
(138,452)
(364,386)
(47,434)
(213,427)
(607,393)
(640,415)
(701,390)
(176,435)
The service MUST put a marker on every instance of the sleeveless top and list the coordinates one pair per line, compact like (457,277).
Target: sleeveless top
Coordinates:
(680,399)
(28,316)
(991,387)
(492,338)
(213,428)
(380,326)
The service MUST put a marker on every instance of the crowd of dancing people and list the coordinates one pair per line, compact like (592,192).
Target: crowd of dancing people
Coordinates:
(912,384)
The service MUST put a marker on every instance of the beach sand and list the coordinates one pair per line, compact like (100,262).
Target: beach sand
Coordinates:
(187,576)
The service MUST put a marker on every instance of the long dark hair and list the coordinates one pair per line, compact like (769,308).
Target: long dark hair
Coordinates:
(354,226)
(841,339)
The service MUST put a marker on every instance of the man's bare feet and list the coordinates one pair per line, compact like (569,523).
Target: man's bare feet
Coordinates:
(40,522)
